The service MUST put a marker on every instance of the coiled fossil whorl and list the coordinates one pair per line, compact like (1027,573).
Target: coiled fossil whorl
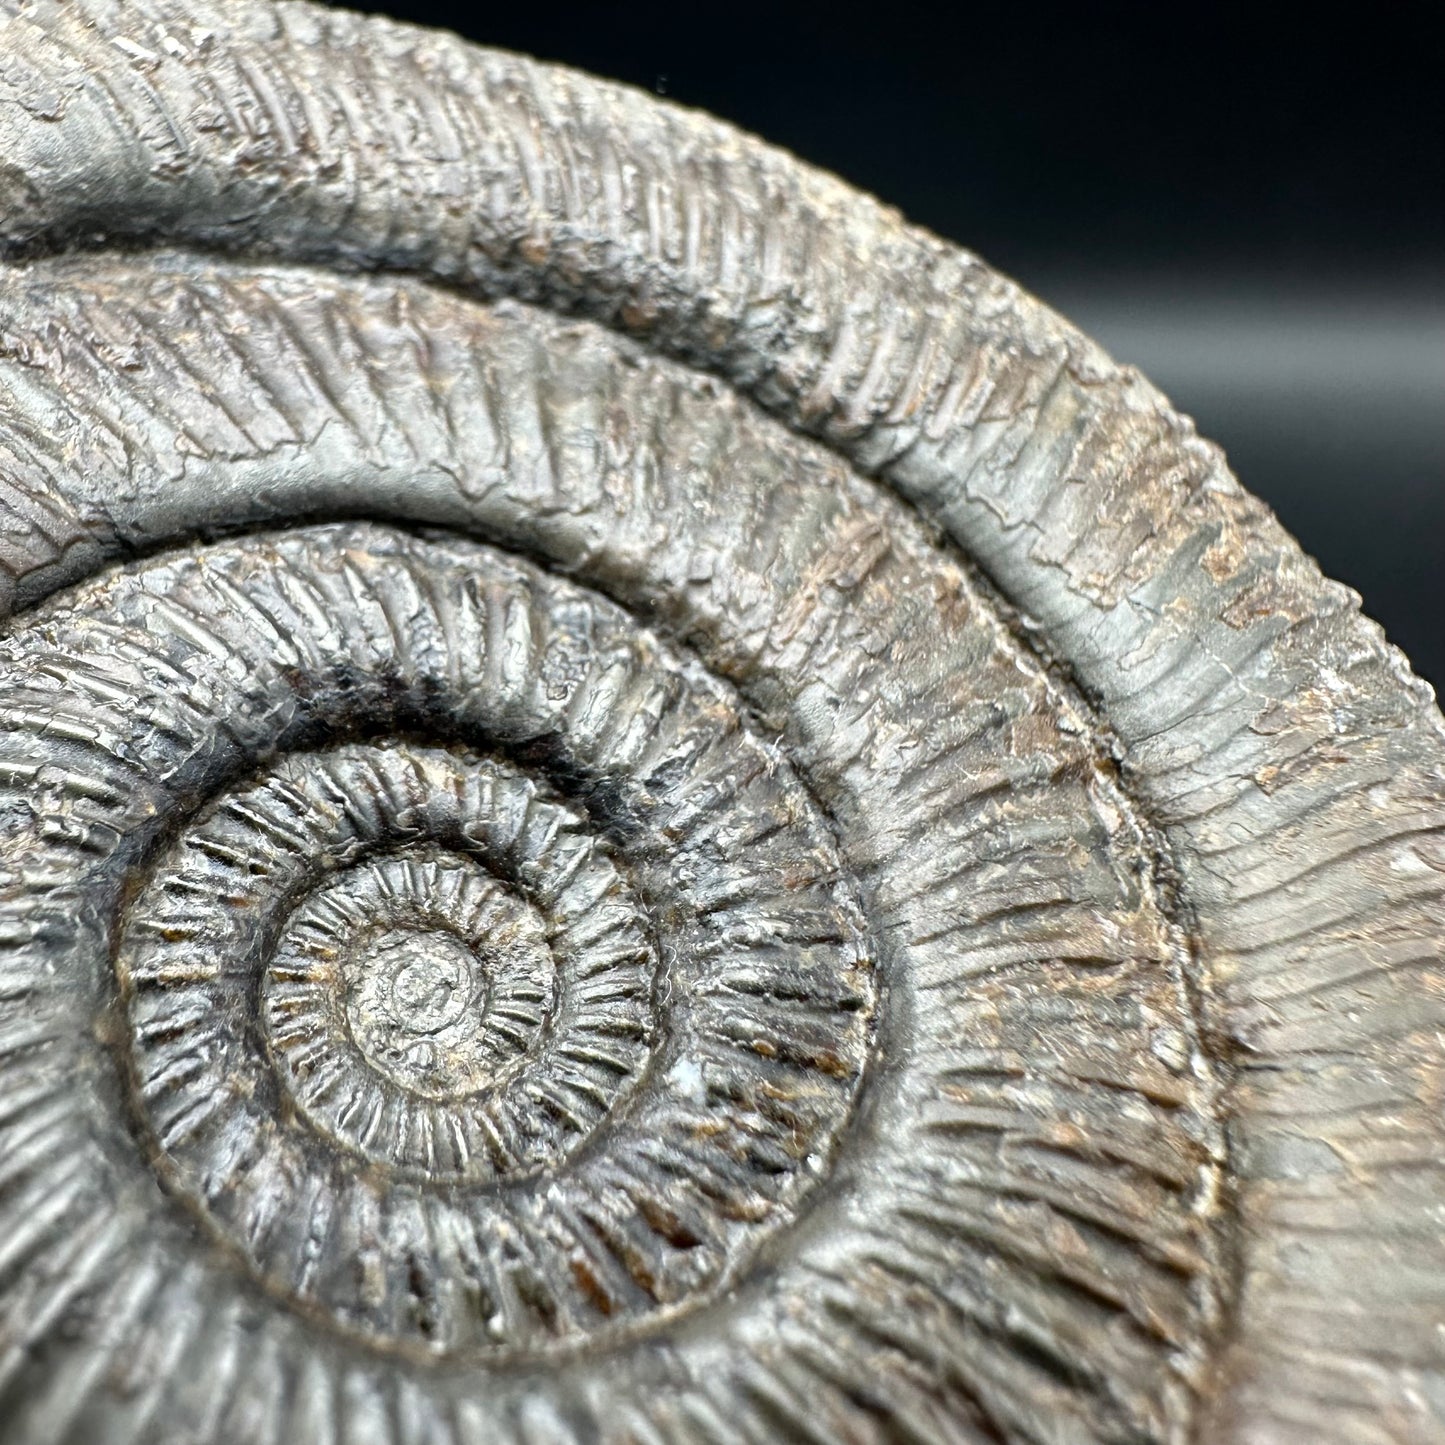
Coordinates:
(642,805)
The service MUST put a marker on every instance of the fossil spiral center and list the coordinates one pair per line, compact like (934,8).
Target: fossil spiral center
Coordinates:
(433,977)
(413,1008)
(419,986)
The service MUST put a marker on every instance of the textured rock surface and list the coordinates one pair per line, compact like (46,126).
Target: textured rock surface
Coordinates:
(641,804)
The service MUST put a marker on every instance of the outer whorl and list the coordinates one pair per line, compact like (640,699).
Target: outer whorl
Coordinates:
(641,804)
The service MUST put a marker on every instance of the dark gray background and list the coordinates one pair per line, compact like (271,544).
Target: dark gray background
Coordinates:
(1247,203)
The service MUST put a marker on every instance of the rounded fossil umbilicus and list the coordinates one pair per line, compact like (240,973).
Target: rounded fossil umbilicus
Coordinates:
(642,805)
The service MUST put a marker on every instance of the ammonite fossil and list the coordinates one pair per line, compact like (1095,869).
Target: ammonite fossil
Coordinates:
(642,805)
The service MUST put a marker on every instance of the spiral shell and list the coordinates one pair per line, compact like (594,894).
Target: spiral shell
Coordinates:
(642,805)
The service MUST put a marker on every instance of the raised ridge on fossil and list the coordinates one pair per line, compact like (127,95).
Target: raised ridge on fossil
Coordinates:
(640,804)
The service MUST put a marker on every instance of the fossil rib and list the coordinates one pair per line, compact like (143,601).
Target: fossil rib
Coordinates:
(897,905)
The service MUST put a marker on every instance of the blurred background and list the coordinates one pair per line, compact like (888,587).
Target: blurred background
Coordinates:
(1245,202)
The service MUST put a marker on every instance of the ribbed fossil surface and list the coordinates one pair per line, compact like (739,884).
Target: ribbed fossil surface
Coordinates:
(639,804)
